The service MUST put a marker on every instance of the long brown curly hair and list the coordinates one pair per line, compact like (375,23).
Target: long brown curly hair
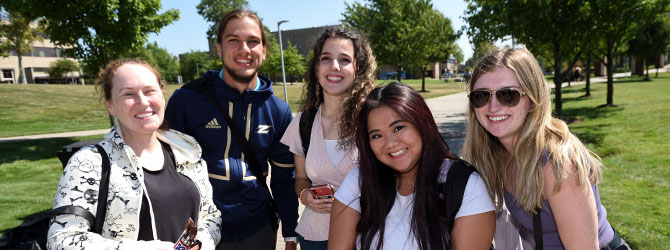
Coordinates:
(360,88)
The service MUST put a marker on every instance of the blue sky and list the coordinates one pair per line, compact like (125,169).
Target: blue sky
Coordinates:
(188,33)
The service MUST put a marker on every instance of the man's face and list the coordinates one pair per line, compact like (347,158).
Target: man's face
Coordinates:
(242,50)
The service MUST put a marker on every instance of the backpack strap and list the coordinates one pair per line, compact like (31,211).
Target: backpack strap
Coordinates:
(537,230)
(13,236)
(454,188)
(305,127)
(102,193)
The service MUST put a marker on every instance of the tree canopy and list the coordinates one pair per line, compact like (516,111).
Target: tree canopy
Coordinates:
(615,29)
(214,10)
(555,30)
(194,64)
(19,32)
(61,68)
(166,63)
(294,63)
(402,32)
(99,30)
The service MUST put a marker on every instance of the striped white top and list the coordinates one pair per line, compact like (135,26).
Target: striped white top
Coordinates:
(320,170)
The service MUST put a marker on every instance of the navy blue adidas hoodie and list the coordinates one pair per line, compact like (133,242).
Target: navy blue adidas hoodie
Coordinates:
(263,118)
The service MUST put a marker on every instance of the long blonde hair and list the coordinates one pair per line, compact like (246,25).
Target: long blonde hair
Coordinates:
(539,132)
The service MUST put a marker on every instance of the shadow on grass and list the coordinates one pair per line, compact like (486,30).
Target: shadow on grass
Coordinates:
(592,134)
(589,112)
(32,150)
(23,219)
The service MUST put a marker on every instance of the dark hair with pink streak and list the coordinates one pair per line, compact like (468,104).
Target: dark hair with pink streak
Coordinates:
(378,181)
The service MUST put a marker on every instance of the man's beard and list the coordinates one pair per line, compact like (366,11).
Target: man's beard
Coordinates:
(240,78)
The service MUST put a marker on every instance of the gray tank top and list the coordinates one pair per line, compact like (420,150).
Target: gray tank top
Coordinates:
(550,236)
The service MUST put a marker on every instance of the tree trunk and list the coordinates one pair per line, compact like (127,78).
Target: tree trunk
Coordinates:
(22,73)
(588,74)
(646,78)
(399,71)
(610,73)
(423,79)
(558,81)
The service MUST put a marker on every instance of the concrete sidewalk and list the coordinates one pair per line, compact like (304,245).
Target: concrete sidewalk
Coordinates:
(56,135)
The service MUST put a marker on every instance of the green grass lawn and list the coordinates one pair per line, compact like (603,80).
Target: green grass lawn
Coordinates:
(632,139)
(41,109)
(30,172)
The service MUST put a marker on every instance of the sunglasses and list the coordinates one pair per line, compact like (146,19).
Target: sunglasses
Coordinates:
(509,97)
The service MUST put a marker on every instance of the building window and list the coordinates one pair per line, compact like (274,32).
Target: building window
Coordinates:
(8,73)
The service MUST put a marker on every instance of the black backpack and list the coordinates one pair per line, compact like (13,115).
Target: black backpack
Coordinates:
(32,234)
(454,188)
(305,127)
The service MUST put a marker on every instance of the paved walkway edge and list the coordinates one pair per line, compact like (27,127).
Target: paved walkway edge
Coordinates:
(56,135)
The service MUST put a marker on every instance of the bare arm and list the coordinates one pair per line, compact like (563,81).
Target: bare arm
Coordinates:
(343,221)
(474,231)
(302,182)
(574,209)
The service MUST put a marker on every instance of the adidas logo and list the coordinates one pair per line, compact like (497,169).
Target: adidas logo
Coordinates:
(213,124)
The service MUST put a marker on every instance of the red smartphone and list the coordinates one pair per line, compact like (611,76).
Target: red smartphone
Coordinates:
(322,191)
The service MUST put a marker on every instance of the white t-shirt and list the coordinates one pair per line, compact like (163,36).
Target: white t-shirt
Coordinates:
(398,234)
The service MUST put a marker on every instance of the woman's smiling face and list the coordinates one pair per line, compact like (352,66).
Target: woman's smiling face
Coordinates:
(394,140)
(501,121)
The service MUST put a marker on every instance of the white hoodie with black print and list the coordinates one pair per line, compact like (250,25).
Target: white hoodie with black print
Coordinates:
(79,185)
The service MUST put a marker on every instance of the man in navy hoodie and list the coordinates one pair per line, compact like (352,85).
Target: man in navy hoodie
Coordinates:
(248,98)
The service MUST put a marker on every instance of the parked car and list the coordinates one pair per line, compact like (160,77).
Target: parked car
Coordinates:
(392,75)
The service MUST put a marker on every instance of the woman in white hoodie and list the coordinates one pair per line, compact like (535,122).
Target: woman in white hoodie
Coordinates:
(158,179)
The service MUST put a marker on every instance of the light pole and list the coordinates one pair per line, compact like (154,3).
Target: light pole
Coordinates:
(281,55)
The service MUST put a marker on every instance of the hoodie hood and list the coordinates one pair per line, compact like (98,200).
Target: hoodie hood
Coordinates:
(221,87)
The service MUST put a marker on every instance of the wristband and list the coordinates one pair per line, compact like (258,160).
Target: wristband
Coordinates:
(291,239)
(300,196)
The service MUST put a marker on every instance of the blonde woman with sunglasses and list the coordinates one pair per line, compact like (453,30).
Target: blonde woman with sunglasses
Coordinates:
(531,160)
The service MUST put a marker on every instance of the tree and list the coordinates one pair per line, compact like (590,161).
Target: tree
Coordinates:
(272,64)
(399,31)
(166,63)
(62,67)
(438,40)
(550,29)
(193,64)
(651,41)
(457,53)
(615,29)
(214,10)
(20,32)
(481,49)
(99,30)
(293,61)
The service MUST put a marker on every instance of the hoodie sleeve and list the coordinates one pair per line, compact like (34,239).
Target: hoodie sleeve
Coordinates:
(283,178)
(175,115)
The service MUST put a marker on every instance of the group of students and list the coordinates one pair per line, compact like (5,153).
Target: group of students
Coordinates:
(378,147)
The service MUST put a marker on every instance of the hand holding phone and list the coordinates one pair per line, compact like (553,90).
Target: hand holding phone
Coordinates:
(322,191)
